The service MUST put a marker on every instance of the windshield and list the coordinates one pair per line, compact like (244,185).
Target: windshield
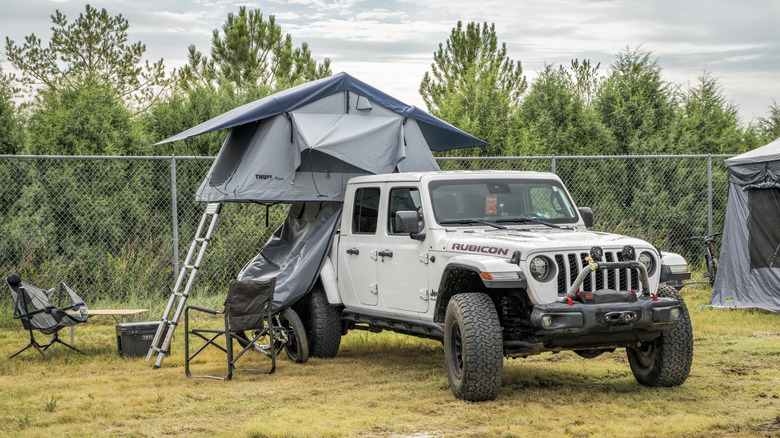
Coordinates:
(504,201)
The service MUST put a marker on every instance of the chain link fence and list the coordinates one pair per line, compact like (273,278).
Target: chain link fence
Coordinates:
(116,229)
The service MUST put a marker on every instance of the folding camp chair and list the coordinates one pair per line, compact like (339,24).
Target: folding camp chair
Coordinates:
(247,309)
(33,306)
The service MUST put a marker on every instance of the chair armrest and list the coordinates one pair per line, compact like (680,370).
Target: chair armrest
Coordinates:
(48,309)
(205,309)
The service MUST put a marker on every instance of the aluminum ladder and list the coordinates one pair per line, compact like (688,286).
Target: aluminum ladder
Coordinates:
(189,271)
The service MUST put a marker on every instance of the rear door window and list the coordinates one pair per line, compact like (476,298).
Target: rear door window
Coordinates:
(365,211)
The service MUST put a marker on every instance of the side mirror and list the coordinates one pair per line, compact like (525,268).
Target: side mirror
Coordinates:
(407,222)
(587,216)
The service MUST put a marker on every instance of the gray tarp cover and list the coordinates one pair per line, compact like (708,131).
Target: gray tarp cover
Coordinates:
(295,253)
(749,271)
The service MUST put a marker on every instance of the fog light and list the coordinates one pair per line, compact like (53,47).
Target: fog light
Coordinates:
(675,313)
(546,321)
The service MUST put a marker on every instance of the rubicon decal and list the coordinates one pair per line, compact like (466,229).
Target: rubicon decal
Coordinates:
(482,249)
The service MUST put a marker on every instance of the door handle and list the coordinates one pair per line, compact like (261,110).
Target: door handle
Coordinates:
(353,251)
(385,253)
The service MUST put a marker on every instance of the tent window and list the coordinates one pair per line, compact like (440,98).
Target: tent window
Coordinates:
(365,212)
(764,234)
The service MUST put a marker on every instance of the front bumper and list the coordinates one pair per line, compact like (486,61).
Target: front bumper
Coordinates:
(561,325)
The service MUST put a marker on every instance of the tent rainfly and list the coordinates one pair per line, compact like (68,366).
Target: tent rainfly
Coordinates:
(304,143)
(301,146)
(749,271)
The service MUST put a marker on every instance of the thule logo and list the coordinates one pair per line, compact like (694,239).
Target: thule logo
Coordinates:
(258,176)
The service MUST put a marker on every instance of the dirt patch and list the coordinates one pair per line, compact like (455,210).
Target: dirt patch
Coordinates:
(768,429)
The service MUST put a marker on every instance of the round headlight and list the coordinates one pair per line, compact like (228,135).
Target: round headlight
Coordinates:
(646,259)
(539,267)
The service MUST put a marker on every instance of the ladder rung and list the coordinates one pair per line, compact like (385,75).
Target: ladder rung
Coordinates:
(213,208)
(196,267)
(202,239)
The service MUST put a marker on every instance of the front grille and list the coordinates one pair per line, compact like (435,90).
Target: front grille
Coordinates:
(570,265)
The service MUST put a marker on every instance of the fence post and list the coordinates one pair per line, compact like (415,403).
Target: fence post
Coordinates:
(174,217)
(552,164)
(709,194)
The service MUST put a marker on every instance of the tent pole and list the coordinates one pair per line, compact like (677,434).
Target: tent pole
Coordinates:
(709,194)
(174,215)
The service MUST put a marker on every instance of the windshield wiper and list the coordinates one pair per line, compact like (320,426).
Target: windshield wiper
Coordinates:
(529,219)
(472,221)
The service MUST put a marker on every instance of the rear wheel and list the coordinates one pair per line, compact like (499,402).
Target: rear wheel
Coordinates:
(323,324)
(473,348)
(665,361)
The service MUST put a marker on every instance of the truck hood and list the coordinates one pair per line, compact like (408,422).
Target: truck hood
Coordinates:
(503,243)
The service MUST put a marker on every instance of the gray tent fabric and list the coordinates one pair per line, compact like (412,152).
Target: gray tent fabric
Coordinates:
(765,154)
(309,153)
(295,253)
(749,270)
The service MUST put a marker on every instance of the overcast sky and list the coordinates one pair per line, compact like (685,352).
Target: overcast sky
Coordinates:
(390,43)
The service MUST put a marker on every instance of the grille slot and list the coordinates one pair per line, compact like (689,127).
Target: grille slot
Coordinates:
(562,282)
(570,264)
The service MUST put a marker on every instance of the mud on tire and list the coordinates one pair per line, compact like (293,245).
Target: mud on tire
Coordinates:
(473,349)
(665,361)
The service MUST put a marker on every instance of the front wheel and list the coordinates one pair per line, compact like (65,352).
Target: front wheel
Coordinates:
(665,361)
(473,348)
(290,336)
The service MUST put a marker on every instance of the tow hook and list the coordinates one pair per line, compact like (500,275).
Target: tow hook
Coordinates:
(619,317)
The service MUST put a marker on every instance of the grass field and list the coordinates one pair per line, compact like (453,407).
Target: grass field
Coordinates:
(392,385)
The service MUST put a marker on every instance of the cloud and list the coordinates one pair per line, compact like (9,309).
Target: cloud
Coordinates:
(391,42)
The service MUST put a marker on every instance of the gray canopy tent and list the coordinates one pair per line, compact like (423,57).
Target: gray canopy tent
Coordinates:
(301,146)
(749,271)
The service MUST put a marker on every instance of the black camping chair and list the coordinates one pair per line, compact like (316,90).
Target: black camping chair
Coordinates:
(33,306)
(247,309)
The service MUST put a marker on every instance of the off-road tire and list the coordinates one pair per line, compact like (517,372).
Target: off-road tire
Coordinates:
(473,348)
(297,345)
(665,361)
(323,324)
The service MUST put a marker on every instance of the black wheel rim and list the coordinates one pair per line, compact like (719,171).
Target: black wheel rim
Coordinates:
(291,346)
(456,350)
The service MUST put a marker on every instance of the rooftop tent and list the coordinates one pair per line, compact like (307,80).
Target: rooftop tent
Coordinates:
(301,146)
(304,143)
(749,271)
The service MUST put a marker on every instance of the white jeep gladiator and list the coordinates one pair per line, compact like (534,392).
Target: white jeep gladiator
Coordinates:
(496,264)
